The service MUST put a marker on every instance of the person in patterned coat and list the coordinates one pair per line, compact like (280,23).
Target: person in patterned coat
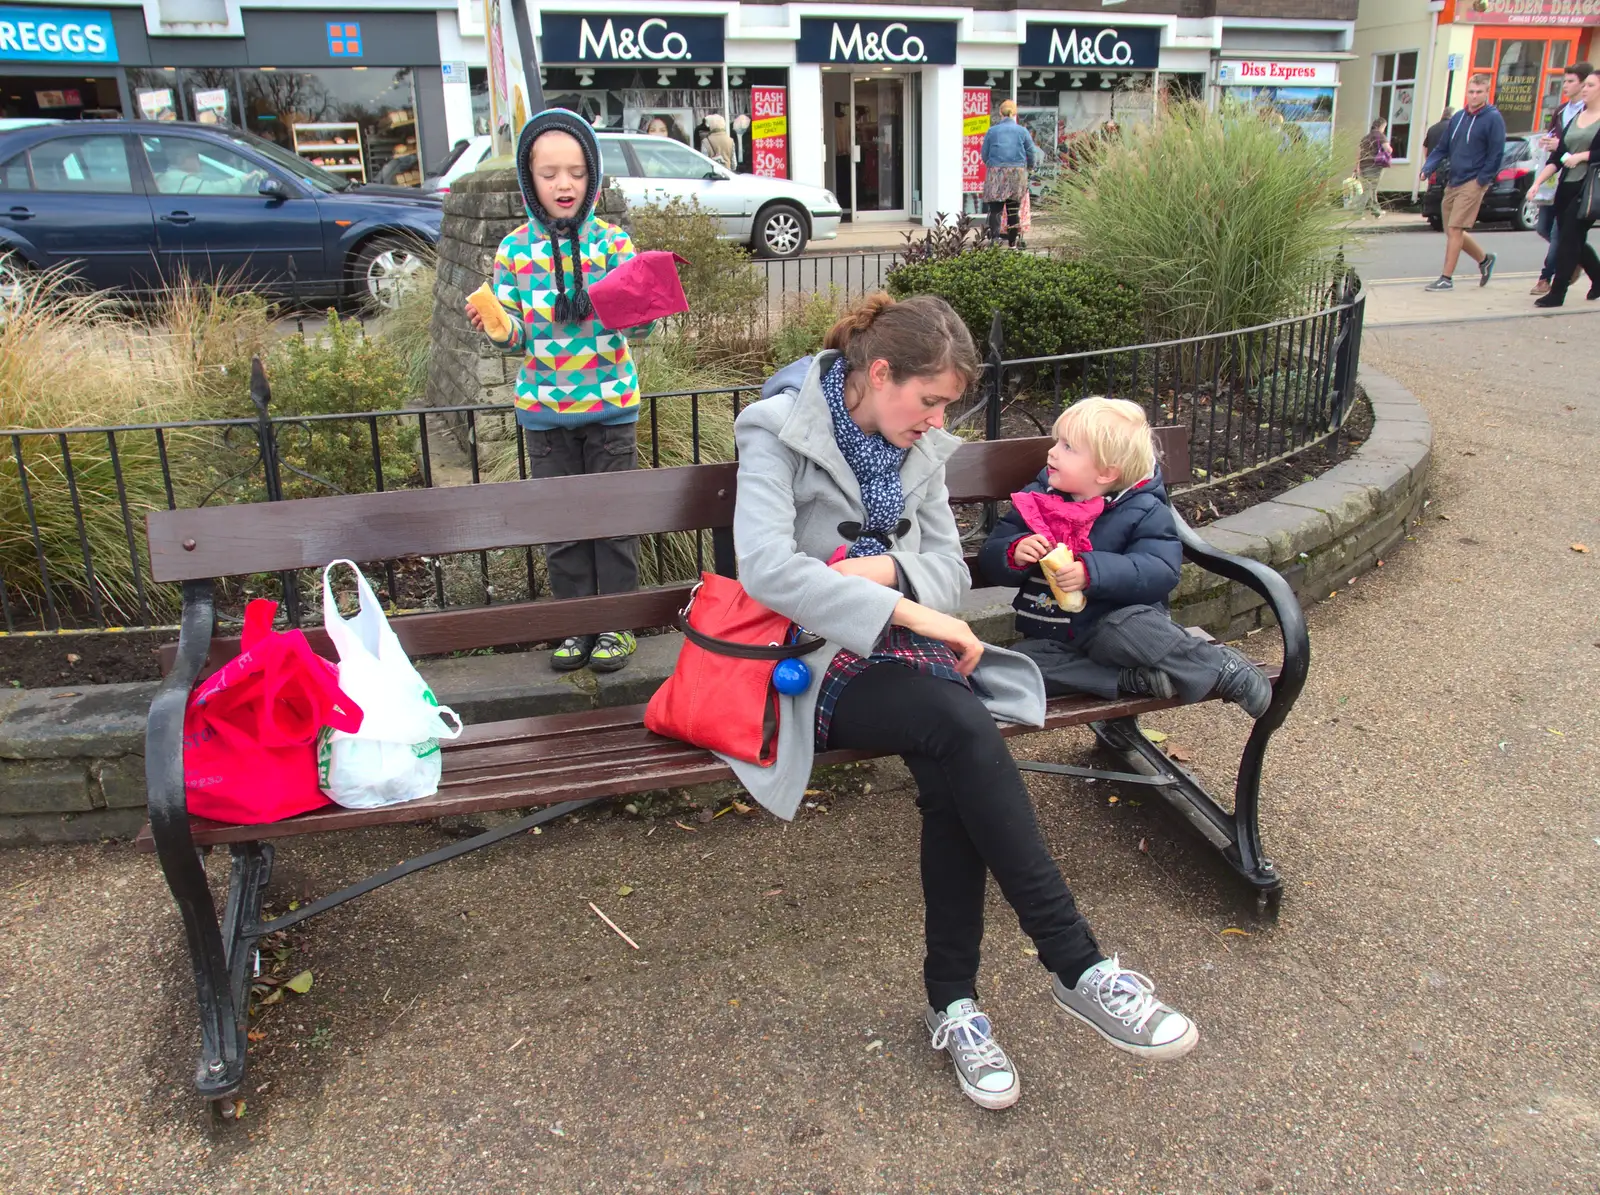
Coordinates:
(577,394)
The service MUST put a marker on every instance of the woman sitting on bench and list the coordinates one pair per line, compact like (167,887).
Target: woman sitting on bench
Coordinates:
(844,525)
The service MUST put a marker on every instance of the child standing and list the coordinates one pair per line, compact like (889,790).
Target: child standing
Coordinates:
(1123,641)
(577,393)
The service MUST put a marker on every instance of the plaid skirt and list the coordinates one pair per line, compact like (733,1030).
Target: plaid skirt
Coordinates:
(1005,184)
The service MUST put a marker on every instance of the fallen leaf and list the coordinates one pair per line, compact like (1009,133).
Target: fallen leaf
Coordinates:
(1584,548)
(875,1044)
(624,890)
(1111,800)
(1555,732)
(681,826)
(59,696)
(773,892)
(734,1002)
(1243,933)
(293,905)
(1030,951)
(1144,846)
(1180,754)
(1446,518)
(720,812)
(740,807)
(272,997)
(73,657)
(238,1109)
(257,1035)
(1156,736)
(813,792)
(300,984)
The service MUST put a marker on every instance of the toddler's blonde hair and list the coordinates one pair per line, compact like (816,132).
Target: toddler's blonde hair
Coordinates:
(1114,431)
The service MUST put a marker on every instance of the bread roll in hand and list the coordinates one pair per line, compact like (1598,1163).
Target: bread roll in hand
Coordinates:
(1058,559)
(495,321)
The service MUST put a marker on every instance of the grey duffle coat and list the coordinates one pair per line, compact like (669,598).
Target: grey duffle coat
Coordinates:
(794,490)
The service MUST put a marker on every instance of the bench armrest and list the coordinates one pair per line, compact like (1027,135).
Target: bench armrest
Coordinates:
(163,735)
(1280,598)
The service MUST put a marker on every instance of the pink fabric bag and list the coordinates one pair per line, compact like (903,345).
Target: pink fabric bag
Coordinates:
(641,289)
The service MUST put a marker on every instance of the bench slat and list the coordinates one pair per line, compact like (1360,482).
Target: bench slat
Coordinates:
(268,537)
(511,777)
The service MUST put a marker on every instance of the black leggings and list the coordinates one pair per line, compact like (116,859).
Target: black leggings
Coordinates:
(1012,210)
(1572,241)
(977,817)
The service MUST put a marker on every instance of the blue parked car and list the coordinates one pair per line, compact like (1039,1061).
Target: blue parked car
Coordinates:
(128,205)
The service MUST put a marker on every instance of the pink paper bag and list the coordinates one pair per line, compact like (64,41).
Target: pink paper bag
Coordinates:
(641,289)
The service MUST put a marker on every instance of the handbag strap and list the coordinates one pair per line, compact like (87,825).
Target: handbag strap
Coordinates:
(802,646)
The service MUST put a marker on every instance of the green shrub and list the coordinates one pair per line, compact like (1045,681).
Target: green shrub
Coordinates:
(726,293)
(338,370)
(807,320)
(1219,220)
(1051,306)
(407,328)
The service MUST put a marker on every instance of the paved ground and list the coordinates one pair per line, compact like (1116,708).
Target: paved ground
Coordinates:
(1421,1019)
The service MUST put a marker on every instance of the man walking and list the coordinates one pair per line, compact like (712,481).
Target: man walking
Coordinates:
(1569,107)
(1474,142)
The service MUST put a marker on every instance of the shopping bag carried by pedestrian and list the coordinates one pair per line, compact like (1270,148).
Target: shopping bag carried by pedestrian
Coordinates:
(1025,214)
(250,731)
(394,755)
(723,692)
(1353,191)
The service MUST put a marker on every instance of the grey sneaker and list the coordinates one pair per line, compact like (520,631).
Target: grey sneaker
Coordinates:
(1440,283)
(1486,269)
(1243,683)
(1146,682)
(1121,1006)
(982,1068)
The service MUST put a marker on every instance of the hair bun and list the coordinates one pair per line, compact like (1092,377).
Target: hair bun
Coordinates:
(857,320)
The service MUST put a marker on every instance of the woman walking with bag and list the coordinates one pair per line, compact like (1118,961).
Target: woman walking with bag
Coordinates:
(1577,202)
(1373,155)
(1008,151)
(843,524)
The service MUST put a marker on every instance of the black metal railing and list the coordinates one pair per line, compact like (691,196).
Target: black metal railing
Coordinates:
(73,499)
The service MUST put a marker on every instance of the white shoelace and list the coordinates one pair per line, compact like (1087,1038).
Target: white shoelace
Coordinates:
(983,1050)
(1132,1002)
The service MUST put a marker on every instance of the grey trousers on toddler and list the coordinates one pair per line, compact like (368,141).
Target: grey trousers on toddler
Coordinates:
(1132,637)
(587,567)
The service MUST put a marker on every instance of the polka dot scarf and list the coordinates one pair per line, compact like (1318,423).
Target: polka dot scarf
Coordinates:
(876,464)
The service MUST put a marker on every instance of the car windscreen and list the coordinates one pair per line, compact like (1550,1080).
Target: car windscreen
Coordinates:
(455,156)
(323,180)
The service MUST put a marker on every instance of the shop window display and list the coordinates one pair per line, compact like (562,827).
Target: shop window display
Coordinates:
(380,102)
(625,100)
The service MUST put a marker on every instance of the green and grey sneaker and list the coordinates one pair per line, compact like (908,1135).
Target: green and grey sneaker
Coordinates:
(982,1068)
(572,654)
(1121,1006)
(611,650)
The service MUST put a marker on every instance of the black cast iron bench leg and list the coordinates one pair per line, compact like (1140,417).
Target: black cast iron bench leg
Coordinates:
(222,1023)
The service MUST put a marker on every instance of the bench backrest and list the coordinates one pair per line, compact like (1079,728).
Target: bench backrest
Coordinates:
(226,541)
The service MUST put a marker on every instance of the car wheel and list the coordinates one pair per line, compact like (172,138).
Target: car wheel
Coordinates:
(1526,217)
(780,232)
(14,286)
(1436,223)
(385,269)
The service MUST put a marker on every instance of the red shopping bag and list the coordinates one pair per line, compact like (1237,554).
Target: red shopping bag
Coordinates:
(720,695)
(250,732)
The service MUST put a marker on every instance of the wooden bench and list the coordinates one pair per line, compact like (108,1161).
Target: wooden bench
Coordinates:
(559,763)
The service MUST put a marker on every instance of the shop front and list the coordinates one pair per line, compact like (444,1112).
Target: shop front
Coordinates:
(877,79)
(1524,46)
(356,92)
(1302,93)
(666,74)
(58,64)
(1073,81)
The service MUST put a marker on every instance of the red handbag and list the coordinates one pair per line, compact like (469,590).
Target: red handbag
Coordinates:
(250,730)
(720,695)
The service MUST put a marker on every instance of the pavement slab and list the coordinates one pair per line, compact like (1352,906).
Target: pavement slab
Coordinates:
(1419,1020)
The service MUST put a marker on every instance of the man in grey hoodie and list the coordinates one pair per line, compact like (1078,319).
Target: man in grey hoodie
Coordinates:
(1474,144)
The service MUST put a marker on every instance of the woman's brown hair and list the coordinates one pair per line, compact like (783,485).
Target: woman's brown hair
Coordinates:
(918,337)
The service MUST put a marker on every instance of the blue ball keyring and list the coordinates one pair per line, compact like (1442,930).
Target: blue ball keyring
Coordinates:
(791,677)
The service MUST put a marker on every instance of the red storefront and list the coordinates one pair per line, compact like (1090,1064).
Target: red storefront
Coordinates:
(1524,46)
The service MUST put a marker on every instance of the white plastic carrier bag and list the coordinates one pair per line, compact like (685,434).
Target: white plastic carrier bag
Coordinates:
(394,757)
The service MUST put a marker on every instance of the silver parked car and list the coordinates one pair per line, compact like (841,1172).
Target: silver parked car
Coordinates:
(774,216)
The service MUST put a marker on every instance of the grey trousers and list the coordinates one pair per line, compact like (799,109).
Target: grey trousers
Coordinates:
(587,567)
(1132,637)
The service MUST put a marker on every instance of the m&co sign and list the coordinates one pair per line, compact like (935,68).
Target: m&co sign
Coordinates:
(628,38)
(879,43)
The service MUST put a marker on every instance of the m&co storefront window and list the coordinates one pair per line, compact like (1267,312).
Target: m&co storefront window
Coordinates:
(1524,46)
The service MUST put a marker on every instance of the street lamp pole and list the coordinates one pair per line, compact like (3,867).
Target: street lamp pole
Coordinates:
(530,58)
